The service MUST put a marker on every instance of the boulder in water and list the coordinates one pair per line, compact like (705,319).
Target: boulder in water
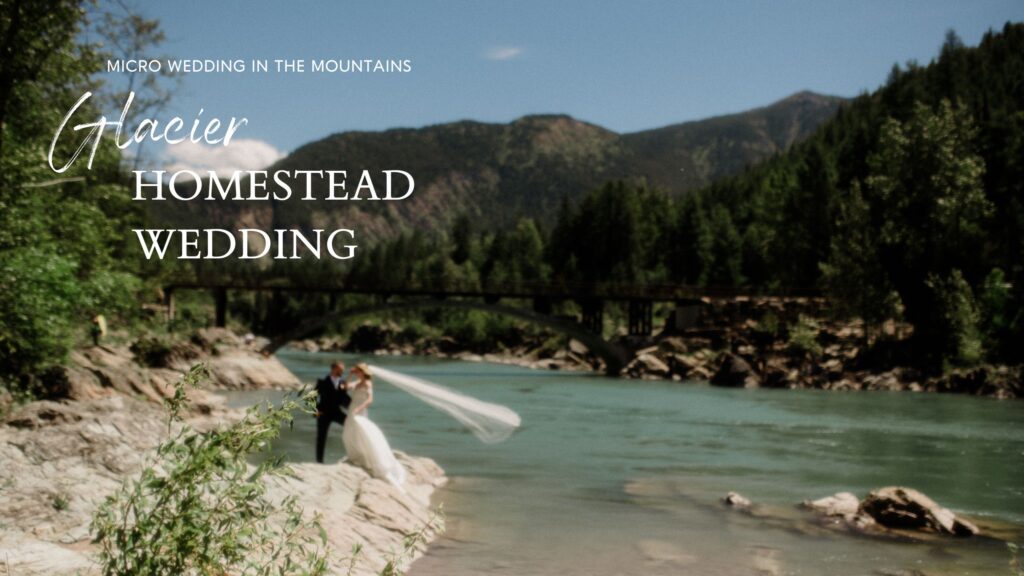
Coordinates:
(735,372)
(843,504)
(648,365)
(577,347)
(736,500)
(908,509)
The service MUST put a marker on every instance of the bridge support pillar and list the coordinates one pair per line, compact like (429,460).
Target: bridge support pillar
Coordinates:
(593,315)
(686,315)
(220,304)
(256,312)
(542,305)
(641,317)
(273,317)
(169,304)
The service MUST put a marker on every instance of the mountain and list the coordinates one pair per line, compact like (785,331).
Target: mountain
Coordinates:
(498,173)
(693,154)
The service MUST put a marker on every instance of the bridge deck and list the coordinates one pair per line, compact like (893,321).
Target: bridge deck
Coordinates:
(559,291)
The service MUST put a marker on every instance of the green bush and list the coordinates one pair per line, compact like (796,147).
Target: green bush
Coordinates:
(995,305)
(37,295)
(412,330)
(769,325)
(152,351)
(803,337)
(468,329)
(199,508)
(959,320)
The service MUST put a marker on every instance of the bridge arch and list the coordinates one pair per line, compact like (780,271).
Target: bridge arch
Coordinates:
(615,357)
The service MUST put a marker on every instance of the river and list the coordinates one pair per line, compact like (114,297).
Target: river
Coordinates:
(610,476)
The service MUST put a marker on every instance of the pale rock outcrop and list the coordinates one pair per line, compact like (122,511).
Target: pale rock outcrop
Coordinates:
(892,508)
(735,372)
(736,500)
(245,370)
(909,509)
(355,509)
(61,459)
(842,504)
(648,365)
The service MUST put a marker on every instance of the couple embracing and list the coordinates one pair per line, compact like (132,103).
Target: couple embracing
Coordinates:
(346,401)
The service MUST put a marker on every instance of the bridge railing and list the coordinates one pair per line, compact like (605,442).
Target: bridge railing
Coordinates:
(553,290)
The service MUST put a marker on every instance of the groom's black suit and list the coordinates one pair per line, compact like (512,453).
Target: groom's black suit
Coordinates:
(329,401)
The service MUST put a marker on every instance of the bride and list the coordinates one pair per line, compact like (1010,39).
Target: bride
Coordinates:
(364,442)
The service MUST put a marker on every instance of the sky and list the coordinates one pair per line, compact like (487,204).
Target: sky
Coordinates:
(626,66)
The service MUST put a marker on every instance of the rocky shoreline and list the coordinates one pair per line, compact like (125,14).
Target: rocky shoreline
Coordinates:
(741,342)
(63,455)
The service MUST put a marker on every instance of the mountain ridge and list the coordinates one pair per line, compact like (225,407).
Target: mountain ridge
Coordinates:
(499,172)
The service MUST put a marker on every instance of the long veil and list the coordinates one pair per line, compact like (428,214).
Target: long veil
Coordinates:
(491,423)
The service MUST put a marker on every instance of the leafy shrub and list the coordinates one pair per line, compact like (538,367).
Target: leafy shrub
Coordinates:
(413,329)
(803,336)
(959,320)
(152,351)
(37,295)
(769,325)
(60,502)
(995,305)
(199,508)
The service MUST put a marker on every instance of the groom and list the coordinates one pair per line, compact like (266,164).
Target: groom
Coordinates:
(331,397)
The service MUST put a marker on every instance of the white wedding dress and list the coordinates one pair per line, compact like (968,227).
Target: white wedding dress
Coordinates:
(367,447)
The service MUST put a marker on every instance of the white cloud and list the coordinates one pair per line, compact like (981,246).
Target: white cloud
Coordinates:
(502,53)
(240,154)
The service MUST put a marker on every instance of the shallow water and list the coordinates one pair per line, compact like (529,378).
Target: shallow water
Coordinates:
(611,476)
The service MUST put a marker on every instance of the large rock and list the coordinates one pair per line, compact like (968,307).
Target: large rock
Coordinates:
(245,370)
(577,347)
(27,555)
(735,372)
(151,368)
(842,504)
(843,509)
(736,500)
(356,509)
(672,345)
(210,339)
(61,459)
(683,364)
(71,381)
(103,370)
(42,414)
(908,509)
(777,374)
(648,365)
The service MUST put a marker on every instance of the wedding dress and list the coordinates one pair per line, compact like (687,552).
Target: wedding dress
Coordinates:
(367,447)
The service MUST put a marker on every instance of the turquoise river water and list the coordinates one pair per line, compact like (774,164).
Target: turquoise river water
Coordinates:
(610,476)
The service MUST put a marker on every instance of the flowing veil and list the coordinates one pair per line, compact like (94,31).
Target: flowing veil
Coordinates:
(491,423)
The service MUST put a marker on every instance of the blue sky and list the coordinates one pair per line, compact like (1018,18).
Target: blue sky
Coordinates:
(623,65)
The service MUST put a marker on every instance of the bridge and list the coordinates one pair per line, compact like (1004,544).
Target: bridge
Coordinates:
(587,328)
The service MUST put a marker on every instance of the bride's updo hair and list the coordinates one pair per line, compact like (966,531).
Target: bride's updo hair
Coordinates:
(364,369)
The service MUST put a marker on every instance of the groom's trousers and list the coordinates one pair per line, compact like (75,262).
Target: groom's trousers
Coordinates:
(323,423)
